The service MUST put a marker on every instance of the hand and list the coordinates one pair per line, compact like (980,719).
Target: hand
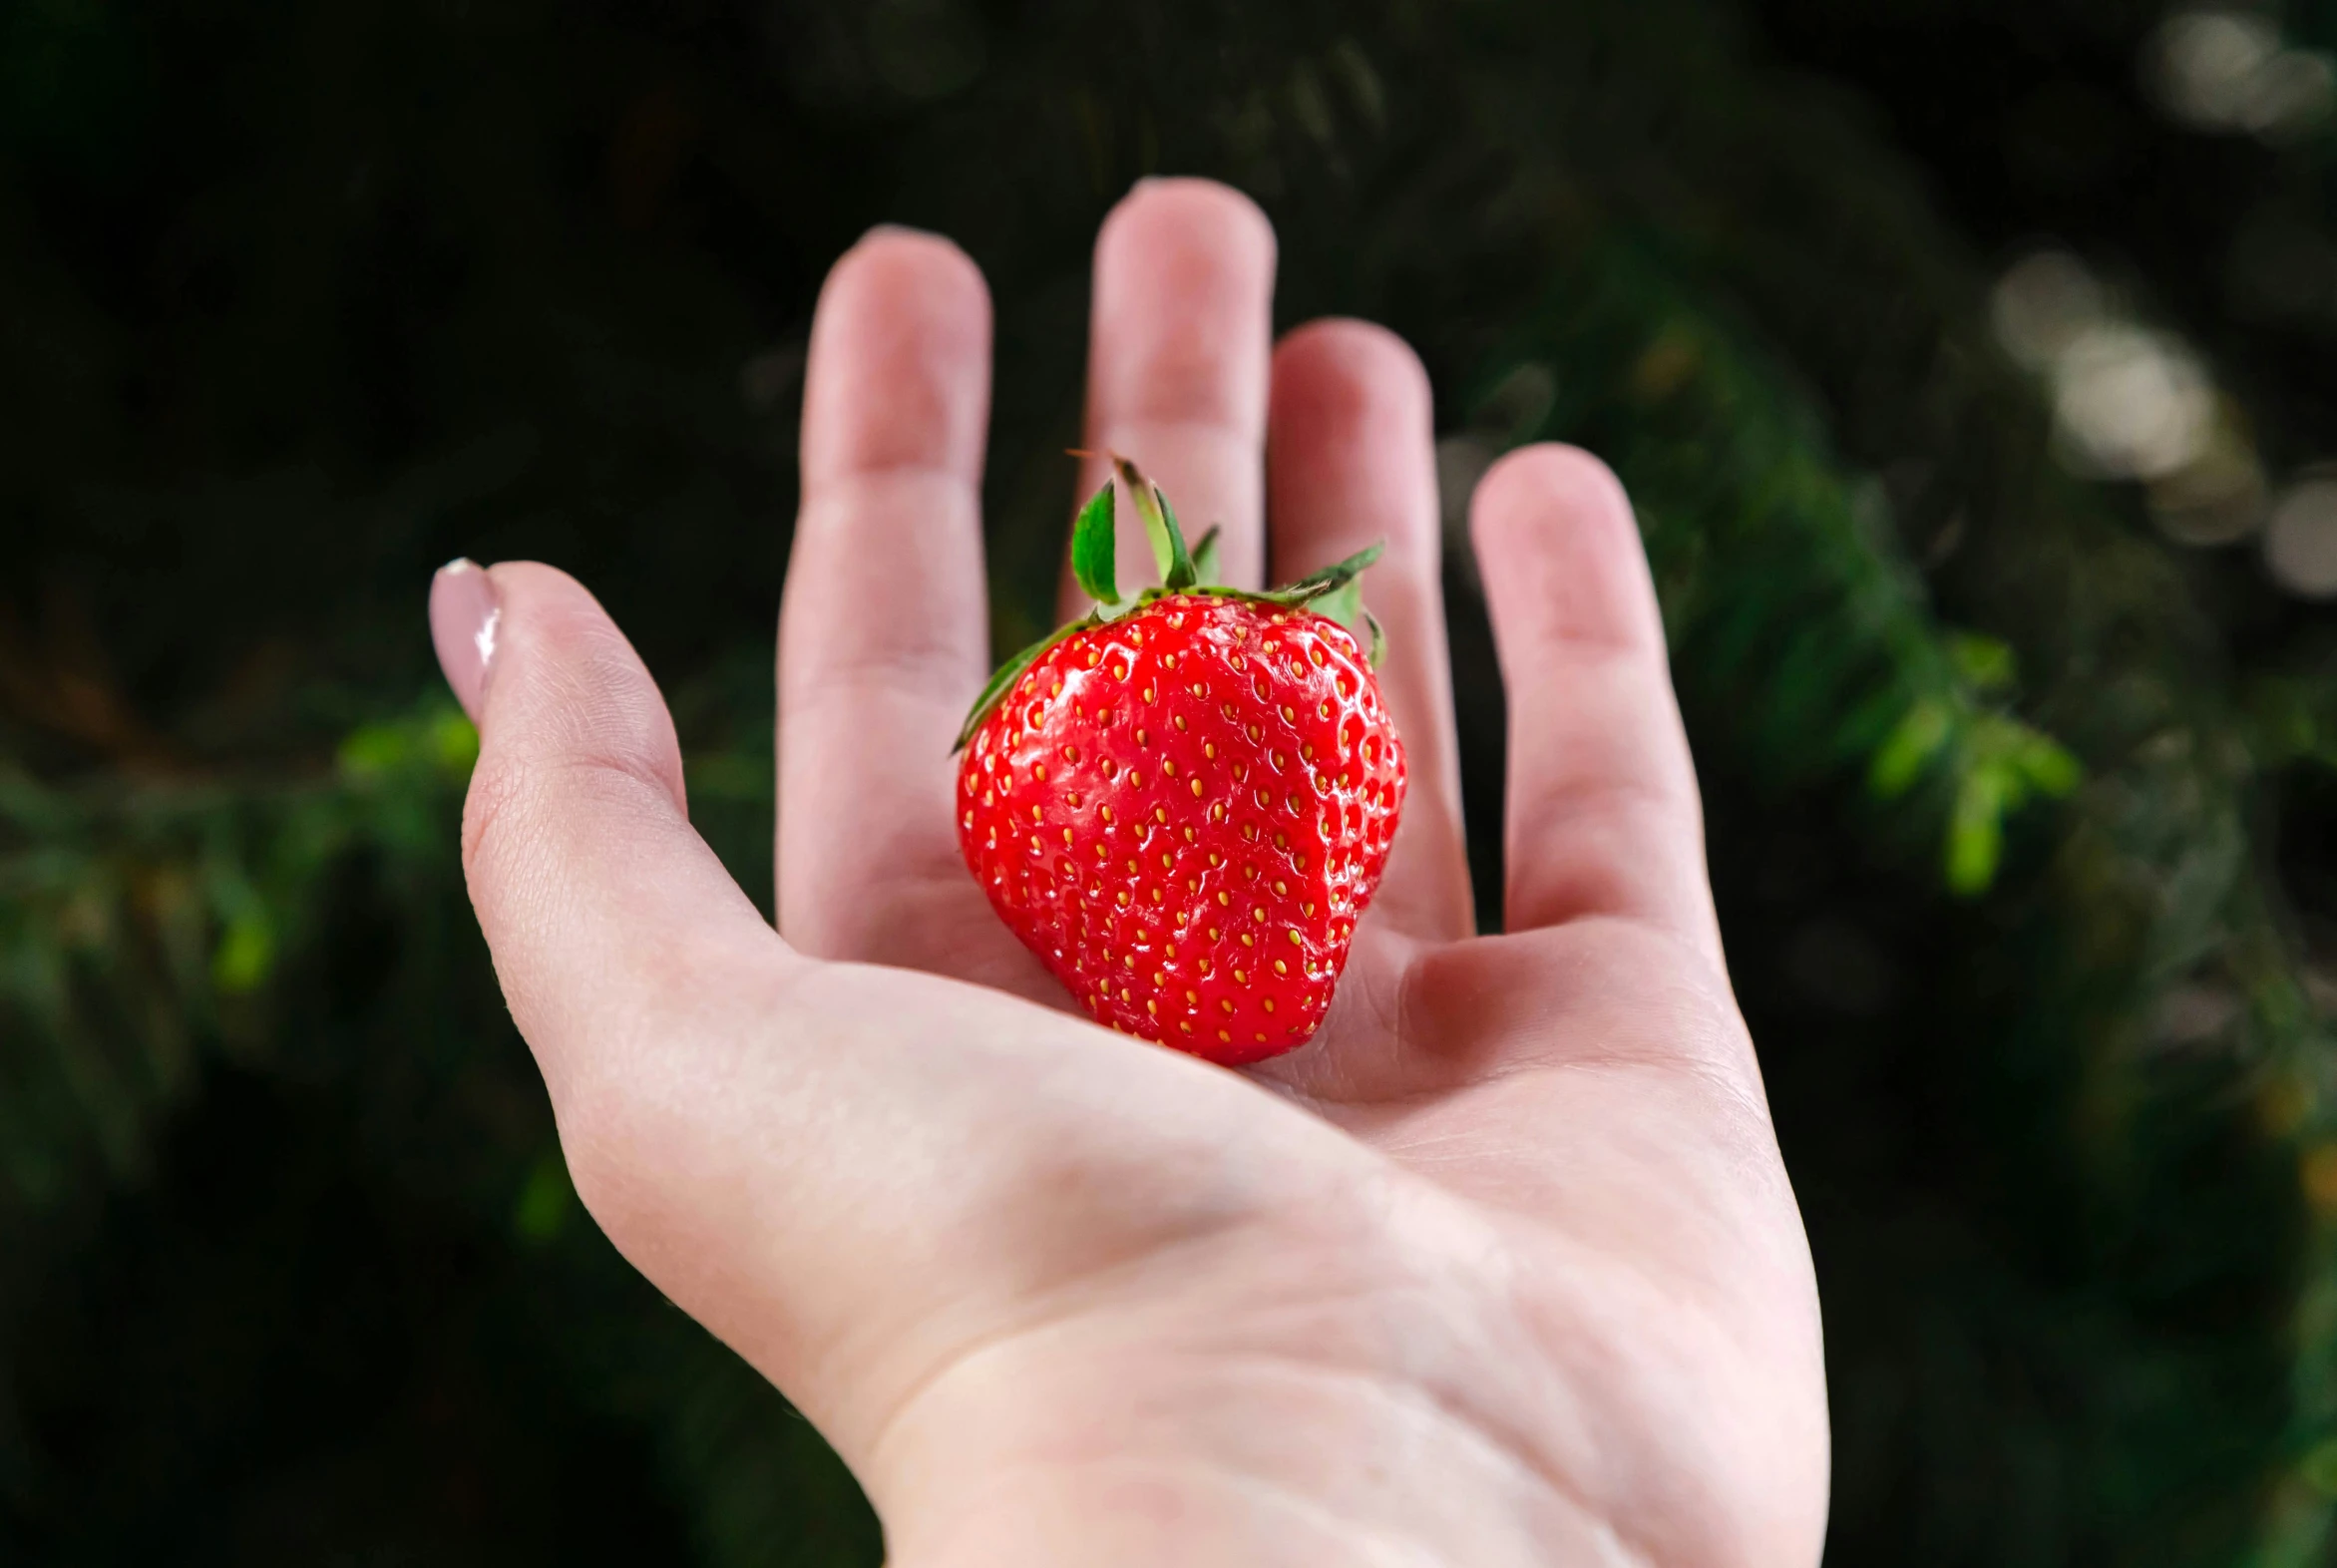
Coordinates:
(1502,1268)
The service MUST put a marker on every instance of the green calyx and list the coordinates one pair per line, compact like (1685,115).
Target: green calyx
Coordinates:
(1335,591)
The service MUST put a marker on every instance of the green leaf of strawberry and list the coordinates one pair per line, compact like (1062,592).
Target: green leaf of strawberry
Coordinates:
(1332,579)
(1208,555)
(1094,540)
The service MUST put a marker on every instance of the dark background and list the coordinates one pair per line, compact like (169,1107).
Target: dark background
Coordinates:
(2017,754)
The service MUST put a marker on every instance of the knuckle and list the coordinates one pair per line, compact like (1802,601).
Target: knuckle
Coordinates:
(610,1157)
(495,784)
(511,795)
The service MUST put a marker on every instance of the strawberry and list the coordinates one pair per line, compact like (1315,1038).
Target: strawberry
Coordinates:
(1182,804)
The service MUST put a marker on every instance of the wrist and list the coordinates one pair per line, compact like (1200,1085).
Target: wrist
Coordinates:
(1265,1464)
(1367,1410)
(1400,1422)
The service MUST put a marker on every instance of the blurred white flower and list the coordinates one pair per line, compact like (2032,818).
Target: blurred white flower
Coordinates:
(2294,93)
(2131,403)
(2041,303)
(2300,543)
(2230,71)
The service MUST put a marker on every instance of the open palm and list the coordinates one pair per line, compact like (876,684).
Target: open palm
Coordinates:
(1501,1268)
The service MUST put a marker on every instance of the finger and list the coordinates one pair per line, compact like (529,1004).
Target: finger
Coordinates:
(1178,348)
(1604,817)
(1352,459)
(882,635)
(602,907)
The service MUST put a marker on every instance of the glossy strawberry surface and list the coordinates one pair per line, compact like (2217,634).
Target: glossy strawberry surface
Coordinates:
(1183,812)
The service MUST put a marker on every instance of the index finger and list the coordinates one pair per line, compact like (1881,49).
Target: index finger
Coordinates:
(884,633)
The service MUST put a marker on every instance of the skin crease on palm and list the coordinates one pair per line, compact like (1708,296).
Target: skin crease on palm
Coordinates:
(1501,1268)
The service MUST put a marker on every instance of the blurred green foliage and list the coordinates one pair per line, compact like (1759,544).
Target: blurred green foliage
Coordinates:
(2021,814)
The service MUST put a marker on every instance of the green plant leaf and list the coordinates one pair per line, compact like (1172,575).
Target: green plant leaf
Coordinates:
(1902,756)
(1975,843)
(2319,1467)
(371,750)
(1094,540)
(245,953)
(2047,765)
(1208,556)
(1988,663)
(454,742)
(1378,643)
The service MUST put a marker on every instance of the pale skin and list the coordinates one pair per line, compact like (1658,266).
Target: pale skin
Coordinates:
(1501,1268)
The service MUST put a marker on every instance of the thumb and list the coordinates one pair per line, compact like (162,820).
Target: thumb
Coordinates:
(853,1176)
(604,908)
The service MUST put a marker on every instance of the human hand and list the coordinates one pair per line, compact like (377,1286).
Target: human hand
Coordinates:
(1501,1268)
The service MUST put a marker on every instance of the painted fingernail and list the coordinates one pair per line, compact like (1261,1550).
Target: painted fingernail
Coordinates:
(465,614)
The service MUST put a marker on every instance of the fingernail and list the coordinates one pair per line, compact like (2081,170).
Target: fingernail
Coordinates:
(465,614)
(903,230)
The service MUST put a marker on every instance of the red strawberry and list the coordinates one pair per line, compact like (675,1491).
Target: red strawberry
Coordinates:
(1183,808)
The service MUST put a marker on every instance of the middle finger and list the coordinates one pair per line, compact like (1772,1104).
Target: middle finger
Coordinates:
(1179,350)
